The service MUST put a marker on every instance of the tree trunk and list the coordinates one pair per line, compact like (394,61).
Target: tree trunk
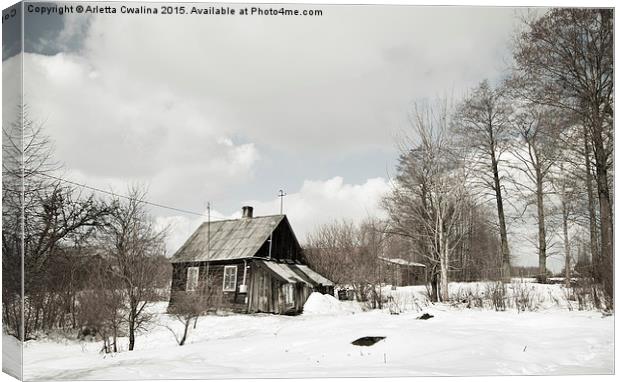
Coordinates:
(502,221)
(444,275)
(106,344)
(132,338)
(567,271)
(187,321)
(132,335)
(542,239)
(434,287)
(594,247)
(114,336)
(606,213)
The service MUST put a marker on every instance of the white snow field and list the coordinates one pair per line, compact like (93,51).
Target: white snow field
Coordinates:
(456,341)
(11,356)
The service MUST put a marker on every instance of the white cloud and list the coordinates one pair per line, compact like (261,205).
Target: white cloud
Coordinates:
(190,107)
(316,202)
(323,201)
(327,83)
(193,107)
(157,138)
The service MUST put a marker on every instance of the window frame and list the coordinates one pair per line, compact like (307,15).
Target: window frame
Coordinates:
(234,288)
(193,283)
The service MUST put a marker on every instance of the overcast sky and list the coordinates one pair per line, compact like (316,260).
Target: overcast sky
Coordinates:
(231,109)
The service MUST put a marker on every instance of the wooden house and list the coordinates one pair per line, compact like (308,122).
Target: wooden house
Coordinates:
(247,265)
(401,272)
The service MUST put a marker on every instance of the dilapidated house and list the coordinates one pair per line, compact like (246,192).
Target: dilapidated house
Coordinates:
(401,272)
(247,265)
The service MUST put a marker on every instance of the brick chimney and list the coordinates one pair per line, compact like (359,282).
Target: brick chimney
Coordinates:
(247,212)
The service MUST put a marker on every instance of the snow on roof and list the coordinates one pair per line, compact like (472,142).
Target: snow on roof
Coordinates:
(402,262)
(317,278)
(229,239)
(295,273)
(285,272)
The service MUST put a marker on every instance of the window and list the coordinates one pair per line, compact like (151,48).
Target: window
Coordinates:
(288,294)
(192,279)
(230,278)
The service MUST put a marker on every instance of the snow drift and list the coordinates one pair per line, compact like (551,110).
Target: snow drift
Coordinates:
(319,303)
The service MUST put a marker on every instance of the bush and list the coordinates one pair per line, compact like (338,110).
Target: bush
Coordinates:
(524,296)
(497,293)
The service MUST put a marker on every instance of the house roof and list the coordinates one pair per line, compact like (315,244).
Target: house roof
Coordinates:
(315,277)
(402,262)
(285,272)
(296,273)
(227,239)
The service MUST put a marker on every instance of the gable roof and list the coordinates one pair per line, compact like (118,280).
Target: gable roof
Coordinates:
(230,239)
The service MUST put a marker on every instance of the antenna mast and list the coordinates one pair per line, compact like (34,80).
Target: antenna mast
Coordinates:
(208,251)
(208,227)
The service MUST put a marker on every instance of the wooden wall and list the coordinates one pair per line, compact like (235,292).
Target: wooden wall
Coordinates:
(219,299)
(265,290)
(266,293)
(403,275)
(285,245)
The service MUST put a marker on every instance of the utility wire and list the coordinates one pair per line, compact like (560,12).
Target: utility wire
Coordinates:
(123,196)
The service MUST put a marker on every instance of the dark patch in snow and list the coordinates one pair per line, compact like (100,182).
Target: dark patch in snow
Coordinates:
(425,316)
(367,341)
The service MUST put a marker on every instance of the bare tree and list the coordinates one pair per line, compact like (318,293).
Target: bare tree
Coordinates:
(373,240)
(187,307)
(41,214)
(483,122)
(348,254)
(427,201)
(102,304)
(330,248)
(537,149)
(133,242)
(565,59)
(565,186)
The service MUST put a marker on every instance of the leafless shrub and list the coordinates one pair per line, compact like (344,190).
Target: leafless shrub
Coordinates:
(474,298)
(497,294)
(101,317)
(348,254)
(133,242)
(102,306)
(401,302)
(524,297)
(588,294)
(187,307)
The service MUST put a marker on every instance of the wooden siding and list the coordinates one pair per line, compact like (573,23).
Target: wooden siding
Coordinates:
(266,293)
(403,275)
(285,245)
(219,299)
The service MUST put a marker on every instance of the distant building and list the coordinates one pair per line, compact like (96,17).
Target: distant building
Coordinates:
(400,272)
(247,265)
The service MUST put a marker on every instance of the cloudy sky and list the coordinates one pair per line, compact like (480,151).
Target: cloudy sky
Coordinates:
(231,109)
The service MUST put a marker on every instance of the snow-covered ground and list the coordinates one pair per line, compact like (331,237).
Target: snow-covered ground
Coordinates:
(11,356)
(455,341)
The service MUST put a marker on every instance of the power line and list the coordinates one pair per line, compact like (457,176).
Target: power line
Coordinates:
(123,196)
